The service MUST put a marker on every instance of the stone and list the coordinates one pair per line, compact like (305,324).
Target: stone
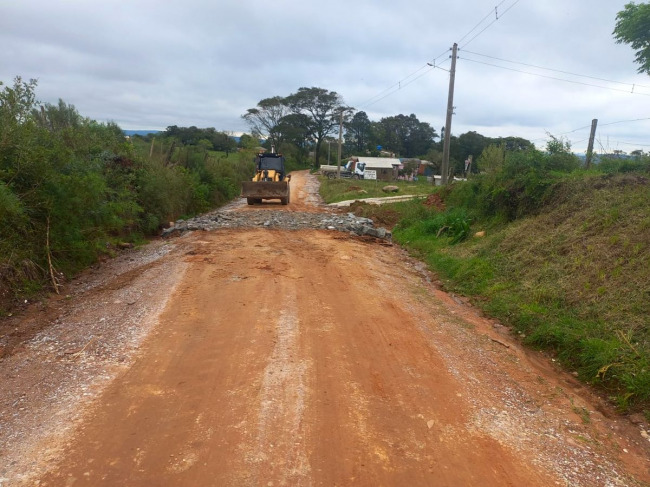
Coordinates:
(375,232)
(390,189)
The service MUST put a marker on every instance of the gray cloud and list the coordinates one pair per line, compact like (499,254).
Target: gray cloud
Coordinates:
(146,64)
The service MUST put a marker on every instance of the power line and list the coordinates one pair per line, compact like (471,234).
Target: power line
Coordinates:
(370,101)
(491,23)
(600,125)
(555,78)
(576,130)
(400,87)
(631,143)
(482,20)
(625,121)
(433,61)
(633,85)
(604,125)
(402,83)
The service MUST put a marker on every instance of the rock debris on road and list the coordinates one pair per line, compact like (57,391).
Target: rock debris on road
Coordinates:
(348,223)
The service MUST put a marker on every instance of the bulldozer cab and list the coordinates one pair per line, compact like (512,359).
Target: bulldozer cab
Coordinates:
(270,164)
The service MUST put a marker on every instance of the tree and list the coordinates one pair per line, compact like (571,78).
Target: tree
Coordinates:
(434,156)
(185,135)
(324,109)
(420,139)
(467,144)
(18,134)
(492,158)
(559,155)
(410,168)
(633,27)
(406,136)
(295,129)
(357,133)
(248,142)
(223,142)
(57,117)
(17,102)
(265,118)
(514,143)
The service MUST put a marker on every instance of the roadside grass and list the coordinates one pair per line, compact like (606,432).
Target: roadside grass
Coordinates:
(335,190)
(572,278)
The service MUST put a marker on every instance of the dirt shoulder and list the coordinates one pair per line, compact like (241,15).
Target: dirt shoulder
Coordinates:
(259,356)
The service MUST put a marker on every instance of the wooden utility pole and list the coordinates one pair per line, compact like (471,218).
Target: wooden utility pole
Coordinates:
(590,148)
(338,169)
(450,112)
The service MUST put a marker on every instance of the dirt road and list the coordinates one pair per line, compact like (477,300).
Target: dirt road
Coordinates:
(267,357)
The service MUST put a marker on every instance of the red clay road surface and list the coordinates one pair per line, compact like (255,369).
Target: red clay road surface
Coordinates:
(311,358)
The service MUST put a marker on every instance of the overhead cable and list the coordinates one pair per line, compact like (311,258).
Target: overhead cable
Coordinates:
(399,86)
(624,121)
(433,64)
(557,70)
(491,23)
(599,125)
(482,20)
(556,79)
(631,143)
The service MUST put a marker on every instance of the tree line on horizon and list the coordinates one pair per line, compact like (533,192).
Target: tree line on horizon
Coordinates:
(308,121)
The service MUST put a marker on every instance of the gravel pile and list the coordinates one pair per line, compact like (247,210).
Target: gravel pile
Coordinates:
(285,220)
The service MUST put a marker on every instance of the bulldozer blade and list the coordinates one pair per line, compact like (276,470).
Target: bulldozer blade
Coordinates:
(265,189)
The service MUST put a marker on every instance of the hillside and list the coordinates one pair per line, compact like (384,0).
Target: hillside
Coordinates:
(565,261)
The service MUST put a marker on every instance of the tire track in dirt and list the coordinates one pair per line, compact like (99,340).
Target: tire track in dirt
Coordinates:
(283,397)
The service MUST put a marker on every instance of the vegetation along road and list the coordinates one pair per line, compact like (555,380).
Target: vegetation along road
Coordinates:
(275,350)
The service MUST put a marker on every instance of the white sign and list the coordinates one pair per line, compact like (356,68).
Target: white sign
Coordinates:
(370,174)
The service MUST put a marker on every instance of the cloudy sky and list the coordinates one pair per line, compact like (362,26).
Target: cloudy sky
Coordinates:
(149,64)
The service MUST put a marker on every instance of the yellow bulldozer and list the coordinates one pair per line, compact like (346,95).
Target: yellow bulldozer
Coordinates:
(269,182)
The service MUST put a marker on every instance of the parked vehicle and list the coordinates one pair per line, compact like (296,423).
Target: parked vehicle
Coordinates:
(352,169)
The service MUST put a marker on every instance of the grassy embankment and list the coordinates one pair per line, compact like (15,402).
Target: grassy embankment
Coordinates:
(565,262)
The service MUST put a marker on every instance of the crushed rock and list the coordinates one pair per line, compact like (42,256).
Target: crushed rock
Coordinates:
(285,220)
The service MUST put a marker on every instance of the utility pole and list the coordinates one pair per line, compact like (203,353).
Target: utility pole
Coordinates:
(338,169)
(450,112)
(590,148)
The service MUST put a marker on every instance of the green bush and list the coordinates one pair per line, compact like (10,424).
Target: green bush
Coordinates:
(612,165)
(70,187)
